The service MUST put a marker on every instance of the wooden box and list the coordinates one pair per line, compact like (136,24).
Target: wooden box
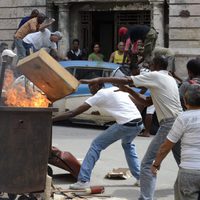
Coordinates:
(48,75)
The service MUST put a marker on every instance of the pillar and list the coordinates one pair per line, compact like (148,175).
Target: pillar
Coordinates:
(63,27)
(158,19)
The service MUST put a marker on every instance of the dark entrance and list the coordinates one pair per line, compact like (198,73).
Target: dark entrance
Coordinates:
(103,31)
(102,26)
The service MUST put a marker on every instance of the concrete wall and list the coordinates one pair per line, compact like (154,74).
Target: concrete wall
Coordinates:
(184,31)
(11,12)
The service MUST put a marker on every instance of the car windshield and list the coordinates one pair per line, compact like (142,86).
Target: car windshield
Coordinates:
(89,73)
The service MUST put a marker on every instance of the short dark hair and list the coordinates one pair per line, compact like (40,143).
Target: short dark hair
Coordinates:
(161,61)
(34,13)
(75,40)
(94,44)
(192,95)
(41,17)
(193,66)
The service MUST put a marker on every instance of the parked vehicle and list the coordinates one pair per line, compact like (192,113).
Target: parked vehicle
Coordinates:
(86,70)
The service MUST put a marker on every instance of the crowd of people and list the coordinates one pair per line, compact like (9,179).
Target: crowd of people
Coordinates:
(175,102)
(179,123)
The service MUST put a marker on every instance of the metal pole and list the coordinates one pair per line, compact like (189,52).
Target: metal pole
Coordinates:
(3,69)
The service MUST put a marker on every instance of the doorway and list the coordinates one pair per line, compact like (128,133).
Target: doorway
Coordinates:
(103,32)
(102,26)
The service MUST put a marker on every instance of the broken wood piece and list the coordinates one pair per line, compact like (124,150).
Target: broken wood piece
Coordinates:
(119,173)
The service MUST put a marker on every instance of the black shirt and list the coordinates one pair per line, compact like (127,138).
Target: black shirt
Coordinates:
(138,32)
(72,55)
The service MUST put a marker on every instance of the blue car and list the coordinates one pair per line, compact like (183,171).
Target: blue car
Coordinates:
(87,70)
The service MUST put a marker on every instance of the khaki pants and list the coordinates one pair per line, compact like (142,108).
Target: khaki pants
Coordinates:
(150,43)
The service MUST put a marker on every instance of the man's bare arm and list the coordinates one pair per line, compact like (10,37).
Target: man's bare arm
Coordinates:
(165,148)
(141,99)
(72,113)
(115,80)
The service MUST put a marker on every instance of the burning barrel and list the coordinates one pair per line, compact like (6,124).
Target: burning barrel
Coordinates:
(25,131)
(25,141)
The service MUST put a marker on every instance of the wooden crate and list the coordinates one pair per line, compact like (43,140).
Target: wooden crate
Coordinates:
(48,75)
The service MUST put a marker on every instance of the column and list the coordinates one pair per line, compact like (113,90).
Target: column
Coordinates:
(63,27)
(158,19)
(50,13)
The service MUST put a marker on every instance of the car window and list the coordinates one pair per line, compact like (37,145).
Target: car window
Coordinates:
(107,73)
(88,73)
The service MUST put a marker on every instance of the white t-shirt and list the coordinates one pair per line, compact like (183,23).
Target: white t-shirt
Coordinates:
(187,128)
(117,104)
(40,40)
(164,92)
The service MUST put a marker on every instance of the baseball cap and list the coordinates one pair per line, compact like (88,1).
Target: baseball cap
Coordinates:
(57,33)
(8,52)
(122,31)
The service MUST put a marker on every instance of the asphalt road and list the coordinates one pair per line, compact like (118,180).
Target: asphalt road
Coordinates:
(77,141)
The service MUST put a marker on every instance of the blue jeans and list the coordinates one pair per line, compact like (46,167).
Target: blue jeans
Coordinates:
(28,47)
(147,179)
(109,136)
(21,51)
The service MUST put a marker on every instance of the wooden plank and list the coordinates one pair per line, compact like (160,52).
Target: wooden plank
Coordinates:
(48,75)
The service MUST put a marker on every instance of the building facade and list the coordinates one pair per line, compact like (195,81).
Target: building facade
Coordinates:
(176,21)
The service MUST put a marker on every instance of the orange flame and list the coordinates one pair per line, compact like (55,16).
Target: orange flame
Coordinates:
(18,95)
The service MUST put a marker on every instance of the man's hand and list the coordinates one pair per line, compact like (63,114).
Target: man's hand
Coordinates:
(154,169)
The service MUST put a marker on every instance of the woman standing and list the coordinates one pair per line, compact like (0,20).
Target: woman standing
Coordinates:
(96,55)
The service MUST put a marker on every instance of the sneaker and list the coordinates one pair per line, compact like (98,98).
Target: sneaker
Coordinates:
(79,185)
(137,183)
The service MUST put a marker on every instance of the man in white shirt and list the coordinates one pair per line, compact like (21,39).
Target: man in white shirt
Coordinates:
(165,97)
(186,128)
(128,125)
(42,39)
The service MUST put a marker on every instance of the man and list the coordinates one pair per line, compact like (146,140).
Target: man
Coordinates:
(139,32)
(3,46)
(75,53)
(118,55)
(33,25)
(193,68)
(165,97)
(186,128)
(128,124)
(169,54)
(42,39)
(33,14)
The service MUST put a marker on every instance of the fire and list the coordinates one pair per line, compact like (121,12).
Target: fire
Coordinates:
(22,93)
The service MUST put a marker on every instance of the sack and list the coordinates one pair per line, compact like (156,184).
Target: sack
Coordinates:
(64,160)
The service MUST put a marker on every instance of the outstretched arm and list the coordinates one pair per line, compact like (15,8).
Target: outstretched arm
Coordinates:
(46,24)
(72,113)
(146,101)
(115,80)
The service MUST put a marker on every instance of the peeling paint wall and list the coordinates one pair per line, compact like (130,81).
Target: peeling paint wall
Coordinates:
(11,12)
(184,31)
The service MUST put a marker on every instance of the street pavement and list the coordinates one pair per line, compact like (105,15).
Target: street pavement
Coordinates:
(77,141)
